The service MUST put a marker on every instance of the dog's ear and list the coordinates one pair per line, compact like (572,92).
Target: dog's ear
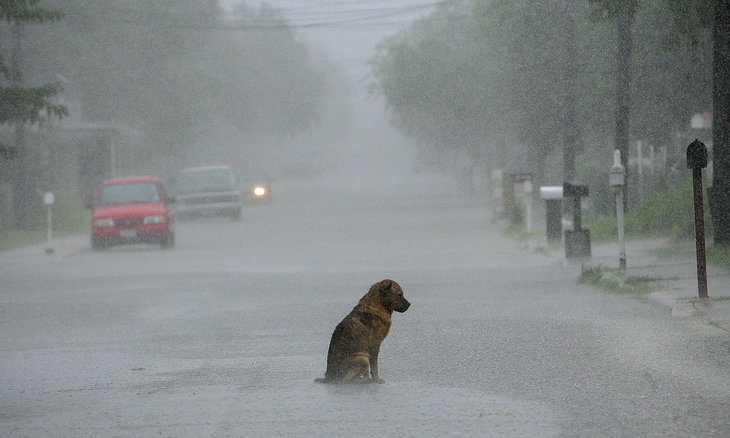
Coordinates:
(385,286)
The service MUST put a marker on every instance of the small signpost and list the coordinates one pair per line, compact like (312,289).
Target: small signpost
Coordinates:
(616,178)
(49,200)
(697,160)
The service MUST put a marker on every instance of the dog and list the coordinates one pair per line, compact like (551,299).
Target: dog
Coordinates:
(355,343)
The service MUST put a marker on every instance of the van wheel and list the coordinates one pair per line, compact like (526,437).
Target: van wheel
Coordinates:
(168,241)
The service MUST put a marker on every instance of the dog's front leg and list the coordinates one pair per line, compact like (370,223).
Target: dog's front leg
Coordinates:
(374,366)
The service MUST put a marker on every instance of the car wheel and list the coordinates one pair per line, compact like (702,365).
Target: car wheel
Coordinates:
(97,245)
(236,215)
(169,240)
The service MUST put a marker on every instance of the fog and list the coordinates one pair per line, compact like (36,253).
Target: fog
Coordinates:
(354,139)
(377,126)
(359,92)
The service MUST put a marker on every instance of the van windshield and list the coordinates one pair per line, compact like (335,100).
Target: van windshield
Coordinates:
(129,193)
(199,181)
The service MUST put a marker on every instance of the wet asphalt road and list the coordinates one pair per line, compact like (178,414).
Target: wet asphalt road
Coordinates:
(224,334)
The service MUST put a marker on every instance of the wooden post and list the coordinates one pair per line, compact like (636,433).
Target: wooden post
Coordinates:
(700,232)
(697,160)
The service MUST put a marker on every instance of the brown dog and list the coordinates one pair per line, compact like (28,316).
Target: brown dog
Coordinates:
(355,343)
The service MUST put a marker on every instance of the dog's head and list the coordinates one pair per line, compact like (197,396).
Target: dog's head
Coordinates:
(391,296)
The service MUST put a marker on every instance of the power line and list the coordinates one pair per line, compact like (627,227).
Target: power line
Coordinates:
(364,17)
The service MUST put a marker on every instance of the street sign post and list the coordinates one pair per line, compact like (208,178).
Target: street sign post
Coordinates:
(697,160)
(616,179)
(49,200)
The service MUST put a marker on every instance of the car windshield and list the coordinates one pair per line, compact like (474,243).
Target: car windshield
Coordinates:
(214,180)
(129,193)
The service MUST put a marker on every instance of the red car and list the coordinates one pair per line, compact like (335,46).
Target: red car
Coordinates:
(132,210)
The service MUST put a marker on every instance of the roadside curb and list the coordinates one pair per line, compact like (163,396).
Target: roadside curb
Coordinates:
(677,303)
(678,294)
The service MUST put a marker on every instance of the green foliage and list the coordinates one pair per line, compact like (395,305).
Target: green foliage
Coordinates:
(27,11)
(612,8)
(719,256)
(25,104)
(170,70)
(8,152)
(21,104)
(590,274)
(669,212)
(487,77)
(69,217)
(616,281)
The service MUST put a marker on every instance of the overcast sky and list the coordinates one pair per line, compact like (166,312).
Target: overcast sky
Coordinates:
(347,30)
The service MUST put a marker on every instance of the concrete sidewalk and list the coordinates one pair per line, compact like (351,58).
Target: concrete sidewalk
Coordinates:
(32,255)
(674,268)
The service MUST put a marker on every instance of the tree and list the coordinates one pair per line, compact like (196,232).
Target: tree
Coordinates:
(174,71)
(20,105)
(570,67)
(623,12)
(691,15)
(485,83)
(514,71)
(721,123)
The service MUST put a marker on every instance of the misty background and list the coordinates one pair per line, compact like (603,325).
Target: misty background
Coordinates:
(357,92)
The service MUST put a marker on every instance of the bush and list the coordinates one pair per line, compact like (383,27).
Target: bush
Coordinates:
(669,212)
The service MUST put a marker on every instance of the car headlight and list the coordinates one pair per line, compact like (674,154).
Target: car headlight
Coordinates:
(259,191)
(104,222)
(155,219)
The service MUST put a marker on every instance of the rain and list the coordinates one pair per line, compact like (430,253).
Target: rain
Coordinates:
(147,289)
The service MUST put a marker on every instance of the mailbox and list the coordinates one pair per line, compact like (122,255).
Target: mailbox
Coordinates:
(696,155)
(551,192)
(575,190)
(518,177)
(617,173)
(553,196)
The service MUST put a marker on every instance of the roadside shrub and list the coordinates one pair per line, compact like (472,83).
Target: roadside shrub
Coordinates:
(669,212)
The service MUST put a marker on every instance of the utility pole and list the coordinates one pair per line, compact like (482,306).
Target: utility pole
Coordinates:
(570,131)
(623,83)
(721,124)
(21,191)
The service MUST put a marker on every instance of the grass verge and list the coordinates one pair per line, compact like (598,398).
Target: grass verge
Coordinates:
(616,281)
(69,217)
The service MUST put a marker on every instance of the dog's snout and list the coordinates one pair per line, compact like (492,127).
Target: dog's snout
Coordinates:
(403,306)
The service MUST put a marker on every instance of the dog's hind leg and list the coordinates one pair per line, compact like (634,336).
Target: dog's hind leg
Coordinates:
(357,369)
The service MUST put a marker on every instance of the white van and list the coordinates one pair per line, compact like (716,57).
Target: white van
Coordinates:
(207,191)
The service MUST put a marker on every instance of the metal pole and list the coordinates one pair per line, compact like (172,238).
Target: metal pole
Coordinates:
(49,249)
(620,223)
(700,232)
(577,219)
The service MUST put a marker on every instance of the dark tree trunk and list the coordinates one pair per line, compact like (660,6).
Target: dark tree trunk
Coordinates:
(721,124)
(570,65)
(21,184)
